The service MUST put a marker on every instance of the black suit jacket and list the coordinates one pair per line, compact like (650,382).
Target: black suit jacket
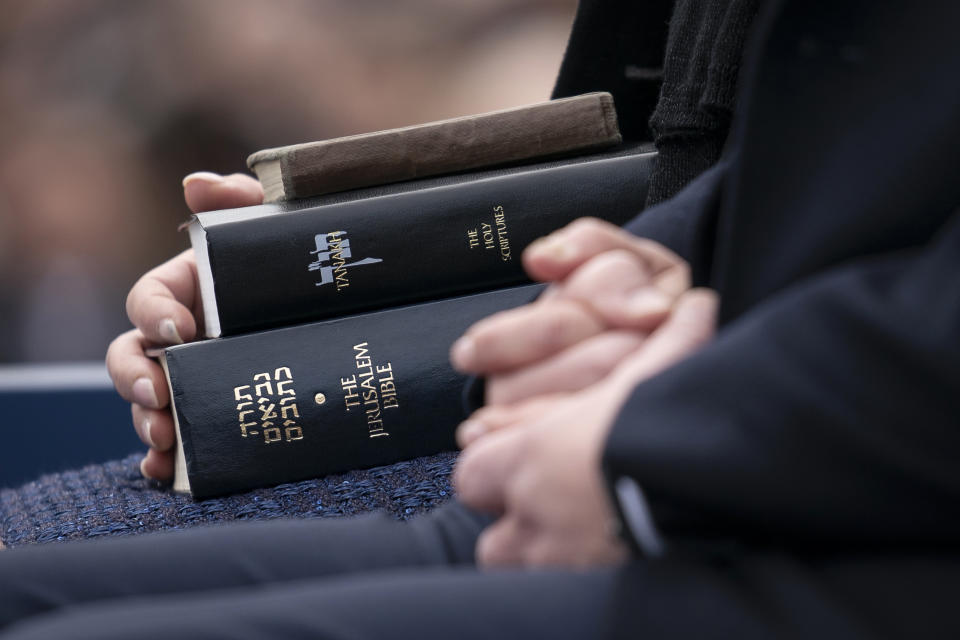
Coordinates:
(827,411)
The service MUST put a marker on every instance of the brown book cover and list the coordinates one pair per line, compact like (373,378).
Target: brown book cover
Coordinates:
(537,131)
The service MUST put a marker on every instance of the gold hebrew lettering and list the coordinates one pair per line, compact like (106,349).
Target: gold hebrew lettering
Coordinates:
(294,433)
(265,385)
(267,412)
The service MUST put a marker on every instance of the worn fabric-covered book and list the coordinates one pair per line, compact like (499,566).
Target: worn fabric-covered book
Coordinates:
(305,401)
(547,129)
(277,264)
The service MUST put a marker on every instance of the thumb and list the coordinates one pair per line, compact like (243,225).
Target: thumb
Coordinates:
(205,191)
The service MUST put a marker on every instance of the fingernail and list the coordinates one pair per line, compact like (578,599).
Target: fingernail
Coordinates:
(143,393)
(463,352)
(469,431)
(143,470)
(145,428)
(647,302)
(553,248)
(168,331)
(204,176)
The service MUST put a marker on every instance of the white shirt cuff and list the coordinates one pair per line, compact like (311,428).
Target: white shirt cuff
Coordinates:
(637,517)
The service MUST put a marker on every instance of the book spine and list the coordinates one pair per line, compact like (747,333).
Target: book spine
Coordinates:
(325,261)
(301,402)
(544,130)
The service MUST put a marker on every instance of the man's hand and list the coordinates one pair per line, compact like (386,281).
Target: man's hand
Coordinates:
(609,289)
(164,306)
(538,465)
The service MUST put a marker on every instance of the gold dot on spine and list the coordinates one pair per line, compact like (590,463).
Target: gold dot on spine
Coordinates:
(319,398)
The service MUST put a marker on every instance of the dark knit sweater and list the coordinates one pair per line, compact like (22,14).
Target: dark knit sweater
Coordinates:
(114,499)
(672,69)
(692,118)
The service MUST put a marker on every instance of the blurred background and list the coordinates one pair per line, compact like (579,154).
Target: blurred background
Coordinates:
(106,104)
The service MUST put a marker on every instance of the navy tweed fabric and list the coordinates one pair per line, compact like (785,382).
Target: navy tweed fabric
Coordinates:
(113,499)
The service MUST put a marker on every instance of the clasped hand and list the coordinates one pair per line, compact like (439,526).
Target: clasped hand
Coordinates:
(619,311)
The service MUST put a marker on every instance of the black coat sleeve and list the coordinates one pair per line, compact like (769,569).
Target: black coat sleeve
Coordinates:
(685,223)
(829,413)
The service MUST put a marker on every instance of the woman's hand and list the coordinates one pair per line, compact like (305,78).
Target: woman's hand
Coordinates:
(165,308)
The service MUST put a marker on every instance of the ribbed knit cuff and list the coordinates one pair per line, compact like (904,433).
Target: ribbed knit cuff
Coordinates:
(682,157)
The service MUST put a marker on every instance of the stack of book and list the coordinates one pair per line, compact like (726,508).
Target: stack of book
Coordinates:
(329,312)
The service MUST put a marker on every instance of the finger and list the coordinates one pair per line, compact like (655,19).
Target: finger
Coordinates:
(155,427)
(502,544)
(205,191)
(516,337)
(548,550)
(136,377)
(690,326)
(157,465)
(558,254)
(494,418)
(612,271)
(642,309)
(165,303)
(620,288)
(570,370)
(674,280)
(482,470)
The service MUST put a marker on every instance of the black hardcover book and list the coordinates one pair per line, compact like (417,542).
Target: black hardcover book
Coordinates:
(305,401)
(273,265)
